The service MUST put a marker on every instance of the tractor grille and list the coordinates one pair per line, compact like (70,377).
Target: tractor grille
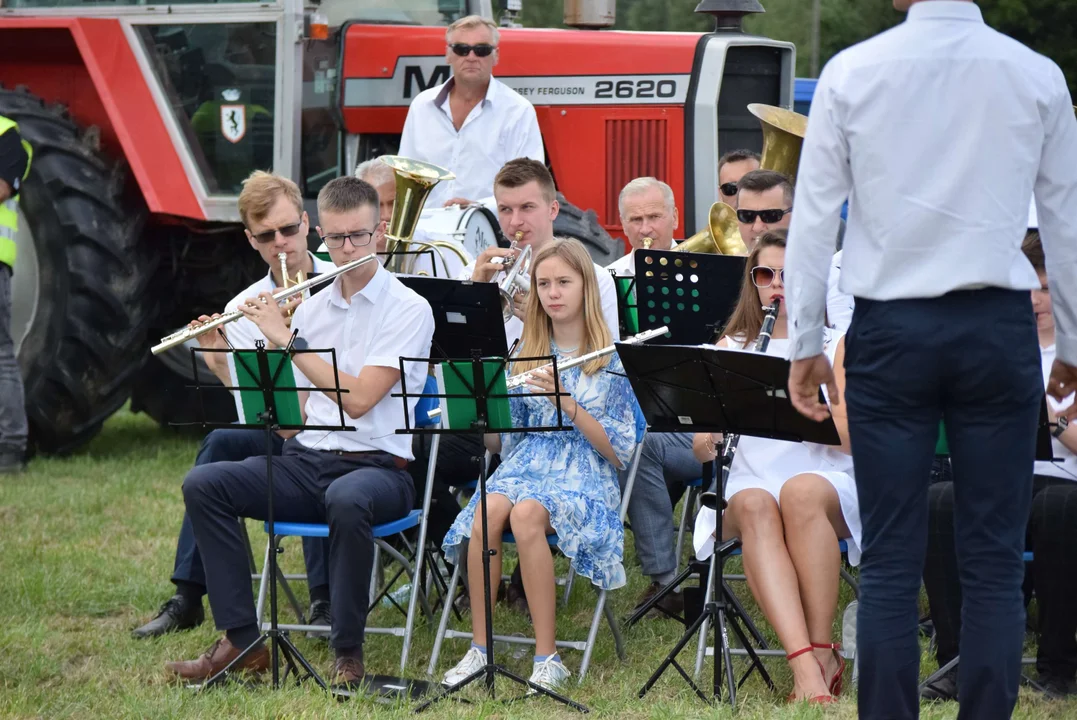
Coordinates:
(634,148)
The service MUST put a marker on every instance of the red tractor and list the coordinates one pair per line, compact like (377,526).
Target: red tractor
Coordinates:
(145,119)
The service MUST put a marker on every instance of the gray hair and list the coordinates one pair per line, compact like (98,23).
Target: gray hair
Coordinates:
(375,172)
(472,21)
(643,184)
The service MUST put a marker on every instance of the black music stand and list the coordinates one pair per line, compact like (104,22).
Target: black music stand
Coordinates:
(485,372)
(467,316)
(701,389)
(266,386)
(692,294)
(395,253)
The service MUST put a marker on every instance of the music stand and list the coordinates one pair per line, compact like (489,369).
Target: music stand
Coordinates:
(467,316)
(627,307)
(269,385)
(692,294)
(473,394)
(704,389)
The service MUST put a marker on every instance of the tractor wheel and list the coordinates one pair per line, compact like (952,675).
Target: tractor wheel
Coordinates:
(82,302)
(583,225)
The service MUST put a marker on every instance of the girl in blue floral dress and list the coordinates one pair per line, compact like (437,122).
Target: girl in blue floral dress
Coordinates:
(562,482)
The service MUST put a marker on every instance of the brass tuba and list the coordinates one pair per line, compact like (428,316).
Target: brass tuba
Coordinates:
(722,236)
(414,181)
(783,138)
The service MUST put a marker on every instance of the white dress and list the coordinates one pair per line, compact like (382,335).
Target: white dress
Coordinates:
(767,464)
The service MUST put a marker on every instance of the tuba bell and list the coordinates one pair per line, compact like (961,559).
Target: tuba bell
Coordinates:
(722,236)
(783,138)
(414,181)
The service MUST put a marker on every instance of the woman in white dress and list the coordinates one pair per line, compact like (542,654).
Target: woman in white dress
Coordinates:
(789,503)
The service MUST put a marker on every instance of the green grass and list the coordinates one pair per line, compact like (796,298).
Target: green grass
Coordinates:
(86,547)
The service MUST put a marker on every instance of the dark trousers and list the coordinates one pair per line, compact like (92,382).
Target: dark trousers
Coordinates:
(233,445)
(971,359)
(1052,538)
(352,493)
(455,467)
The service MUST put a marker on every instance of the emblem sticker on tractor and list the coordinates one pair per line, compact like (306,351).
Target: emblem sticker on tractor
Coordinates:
(233,122)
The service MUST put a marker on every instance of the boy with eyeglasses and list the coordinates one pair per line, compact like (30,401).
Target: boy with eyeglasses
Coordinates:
(271,208)
(473,124)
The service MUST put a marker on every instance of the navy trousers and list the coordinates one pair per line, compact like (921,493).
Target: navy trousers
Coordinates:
(971,359)
(351,494)
(233,445)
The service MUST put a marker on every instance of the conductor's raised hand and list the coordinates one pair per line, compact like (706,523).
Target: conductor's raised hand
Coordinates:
(264,312)
(485,271)
(1062,384)
(805,378)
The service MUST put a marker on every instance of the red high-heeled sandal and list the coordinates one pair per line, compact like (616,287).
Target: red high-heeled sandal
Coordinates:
(818,699)
(835,682)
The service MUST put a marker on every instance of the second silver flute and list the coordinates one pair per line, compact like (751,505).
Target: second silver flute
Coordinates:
(182,336)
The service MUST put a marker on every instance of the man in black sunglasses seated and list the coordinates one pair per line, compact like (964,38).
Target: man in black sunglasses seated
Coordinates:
(472,124)
(765,203)
(732,166)
(271,208)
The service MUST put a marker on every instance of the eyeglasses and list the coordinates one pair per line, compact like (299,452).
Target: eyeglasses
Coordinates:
(763,276)
(271,235)
(481,50)
(358,239)
(768,216)
(728,189)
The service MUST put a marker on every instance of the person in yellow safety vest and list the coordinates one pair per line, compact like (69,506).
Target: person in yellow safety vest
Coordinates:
(15,154)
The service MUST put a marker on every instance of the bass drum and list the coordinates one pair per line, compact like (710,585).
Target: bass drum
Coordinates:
(474,227)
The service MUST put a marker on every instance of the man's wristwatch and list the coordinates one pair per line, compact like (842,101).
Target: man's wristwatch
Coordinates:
(1060,427)
(299,343)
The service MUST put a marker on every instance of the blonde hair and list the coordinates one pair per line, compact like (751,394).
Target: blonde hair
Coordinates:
(538,328)
(261,190)
(474,21)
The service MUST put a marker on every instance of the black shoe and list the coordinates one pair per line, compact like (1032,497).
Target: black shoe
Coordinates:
(943,689)
(319,615)
(672,603)
(11,463)
(1057,688)
(176,614)
(515,595)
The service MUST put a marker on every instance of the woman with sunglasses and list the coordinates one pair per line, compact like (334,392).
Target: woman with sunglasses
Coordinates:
(789,503)
(563,482)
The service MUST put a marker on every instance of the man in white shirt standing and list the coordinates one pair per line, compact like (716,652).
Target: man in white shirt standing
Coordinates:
(943,326)
(271,208)
(351,479)
(473,124)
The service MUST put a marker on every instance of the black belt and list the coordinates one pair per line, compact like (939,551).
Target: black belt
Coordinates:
(358,454)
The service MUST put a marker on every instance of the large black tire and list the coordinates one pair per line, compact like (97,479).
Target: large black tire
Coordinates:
(87,334)
(583,225)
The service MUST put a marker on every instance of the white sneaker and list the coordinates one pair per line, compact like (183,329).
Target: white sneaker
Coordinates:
(472,663)
(551,673)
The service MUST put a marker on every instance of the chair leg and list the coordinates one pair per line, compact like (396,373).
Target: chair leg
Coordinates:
(568,584)
(263,587)
(848,578)
(444,624)
(592,634)
(375,575)
(701,651)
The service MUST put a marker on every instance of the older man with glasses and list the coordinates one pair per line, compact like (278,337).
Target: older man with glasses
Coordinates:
(473,124)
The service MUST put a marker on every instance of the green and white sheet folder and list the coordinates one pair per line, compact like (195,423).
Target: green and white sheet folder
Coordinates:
(250,400)
(457,378)
(626,303)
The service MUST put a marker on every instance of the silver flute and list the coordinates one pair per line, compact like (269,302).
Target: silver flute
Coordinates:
(520,380)
(181,336)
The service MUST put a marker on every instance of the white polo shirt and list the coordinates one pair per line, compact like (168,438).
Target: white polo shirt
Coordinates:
(514,328)
(502,127)
(382,323)
(243,333)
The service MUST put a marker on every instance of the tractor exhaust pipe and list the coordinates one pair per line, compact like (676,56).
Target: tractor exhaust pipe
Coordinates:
(590,14)
(728,14)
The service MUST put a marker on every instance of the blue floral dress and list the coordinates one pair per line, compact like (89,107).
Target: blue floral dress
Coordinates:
(563,471)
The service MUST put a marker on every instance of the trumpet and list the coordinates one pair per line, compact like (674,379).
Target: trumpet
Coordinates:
(518,381)
(516,279)
(182,336)
(287,281)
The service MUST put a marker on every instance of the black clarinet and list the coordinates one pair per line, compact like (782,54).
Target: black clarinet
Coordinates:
(710,499)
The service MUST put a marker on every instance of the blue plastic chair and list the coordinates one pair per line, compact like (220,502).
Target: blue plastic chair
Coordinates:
(415,518)
(602,609)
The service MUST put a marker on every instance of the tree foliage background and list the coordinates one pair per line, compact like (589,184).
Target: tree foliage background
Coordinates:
(1047,26)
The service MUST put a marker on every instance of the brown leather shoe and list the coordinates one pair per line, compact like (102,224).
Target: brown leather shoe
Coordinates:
(349,674)
(217,658)
(672,603)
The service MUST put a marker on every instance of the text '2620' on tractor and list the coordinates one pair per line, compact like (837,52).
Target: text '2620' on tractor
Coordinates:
(145,119)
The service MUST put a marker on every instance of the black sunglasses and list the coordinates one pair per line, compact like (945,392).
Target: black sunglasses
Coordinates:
(481,50)
(763,276)
(768,216)
(358,239)
(728,189)
(271,235)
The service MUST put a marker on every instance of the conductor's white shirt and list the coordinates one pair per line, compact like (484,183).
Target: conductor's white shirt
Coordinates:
(938,132)
(377,326)
(500,128)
